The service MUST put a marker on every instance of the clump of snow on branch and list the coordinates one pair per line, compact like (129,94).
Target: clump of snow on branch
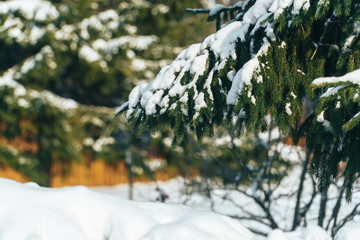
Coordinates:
(89,54)
(244,75)
(137,43)
(352,77)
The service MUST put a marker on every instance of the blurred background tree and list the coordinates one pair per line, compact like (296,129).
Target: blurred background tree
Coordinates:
(65,64)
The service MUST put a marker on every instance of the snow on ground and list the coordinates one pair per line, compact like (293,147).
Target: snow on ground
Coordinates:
(282,209)
(30,212)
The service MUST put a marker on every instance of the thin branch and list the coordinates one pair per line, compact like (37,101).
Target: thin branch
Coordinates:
(306,208)
(261,204)
(257,232)
(337,206)
(297,218)
(348,218)
(197,10)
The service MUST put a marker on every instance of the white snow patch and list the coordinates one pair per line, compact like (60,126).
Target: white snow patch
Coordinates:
(320,117)
(244,75)
(288,108)
(28,65)
(199,102)
(353,77)
(108,15)
(138,64)
(61,103)
(253,99)
(338,105)
(331,91)
(8,80)
(36,33)
(222,43)
(290,153)
(274,134)
(299,71)
(154,99)
(89,54)
(23,103)
(350,231)
(31,9)
(33,212)
(309,233)
(134,42)
(101,142)
(277,234)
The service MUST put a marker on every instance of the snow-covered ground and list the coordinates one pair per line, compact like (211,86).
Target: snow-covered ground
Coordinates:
(282,209)
(30,212)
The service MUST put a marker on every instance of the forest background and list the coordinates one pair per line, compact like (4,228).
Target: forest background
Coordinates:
(65,65)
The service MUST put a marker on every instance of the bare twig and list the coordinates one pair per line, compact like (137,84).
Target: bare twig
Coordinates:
(297,218)
(348,218)
(336,208)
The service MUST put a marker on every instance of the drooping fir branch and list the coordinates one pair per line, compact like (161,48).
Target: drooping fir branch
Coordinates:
(262,63)
(338,123)
(221,79)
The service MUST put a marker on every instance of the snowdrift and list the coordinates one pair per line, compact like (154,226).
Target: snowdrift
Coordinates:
(31,212)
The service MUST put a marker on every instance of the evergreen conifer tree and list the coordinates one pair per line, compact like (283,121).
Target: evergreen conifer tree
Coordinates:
(267,61)
(90,51)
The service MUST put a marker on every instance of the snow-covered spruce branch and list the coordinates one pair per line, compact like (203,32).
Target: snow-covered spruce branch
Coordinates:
(205,76)
(337,115)
(263,62)
(225,66)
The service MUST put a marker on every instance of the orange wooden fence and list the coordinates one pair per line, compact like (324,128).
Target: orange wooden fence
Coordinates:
(96,173)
